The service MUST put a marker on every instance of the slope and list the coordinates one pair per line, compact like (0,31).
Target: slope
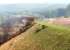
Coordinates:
(41,37)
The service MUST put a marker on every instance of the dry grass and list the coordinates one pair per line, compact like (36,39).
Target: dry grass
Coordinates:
(50,38)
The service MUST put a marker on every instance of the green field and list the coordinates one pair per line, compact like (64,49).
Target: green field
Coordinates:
(52,37)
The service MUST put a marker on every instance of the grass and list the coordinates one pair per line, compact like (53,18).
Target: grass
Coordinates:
(51,38)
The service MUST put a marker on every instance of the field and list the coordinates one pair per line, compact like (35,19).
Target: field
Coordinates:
(51,37)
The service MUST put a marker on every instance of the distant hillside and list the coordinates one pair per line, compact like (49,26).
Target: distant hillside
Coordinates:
(13,8)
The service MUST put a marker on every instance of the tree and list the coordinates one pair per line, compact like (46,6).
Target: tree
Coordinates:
(68,10)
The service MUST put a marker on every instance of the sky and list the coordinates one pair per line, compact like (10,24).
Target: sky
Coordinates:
(35,1)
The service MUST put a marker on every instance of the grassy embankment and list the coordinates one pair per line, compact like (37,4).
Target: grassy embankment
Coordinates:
(52,37)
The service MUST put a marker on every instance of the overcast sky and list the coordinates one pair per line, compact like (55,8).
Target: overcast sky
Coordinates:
(34,1)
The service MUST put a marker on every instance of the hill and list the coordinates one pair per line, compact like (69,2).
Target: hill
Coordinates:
(41,37)
(13,9)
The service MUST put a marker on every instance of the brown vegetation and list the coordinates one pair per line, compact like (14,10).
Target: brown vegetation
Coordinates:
(16,29)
